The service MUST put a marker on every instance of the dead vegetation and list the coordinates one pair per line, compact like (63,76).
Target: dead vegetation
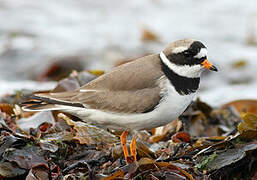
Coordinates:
(204,143)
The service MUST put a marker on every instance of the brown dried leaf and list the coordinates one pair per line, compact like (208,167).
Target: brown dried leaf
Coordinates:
(146,163)
(89,134)
(203,107)
(205,142)
(38,173)
(172,166)
(143,150)
(250,119)
(181,137)
(239,63)
(250,123)
(10,170)
(62,67)
(117,152)
(28,157)
(199,125)
(242,127)
(7,108)
(117,175)
(59,137)
(243,105)
(248,135)
(163,132)
(174,176)
(148,35)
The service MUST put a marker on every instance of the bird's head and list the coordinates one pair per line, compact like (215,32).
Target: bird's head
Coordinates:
(187,57)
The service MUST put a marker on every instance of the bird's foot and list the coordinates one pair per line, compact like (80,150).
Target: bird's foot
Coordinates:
(133,152)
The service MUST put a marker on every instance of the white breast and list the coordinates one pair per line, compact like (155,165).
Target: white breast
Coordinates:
(171,106)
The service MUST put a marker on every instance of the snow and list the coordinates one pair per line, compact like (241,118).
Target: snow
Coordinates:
(33,32)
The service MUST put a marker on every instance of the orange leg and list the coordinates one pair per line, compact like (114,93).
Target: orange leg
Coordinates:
(133,148)
(123,140)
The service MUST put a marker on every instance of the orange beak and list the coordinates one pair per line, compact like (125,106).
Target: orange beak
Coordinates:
(208,65)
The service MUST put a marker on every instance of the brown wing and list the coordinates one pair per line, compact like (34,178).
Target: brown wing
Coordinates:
(121,101)
(138,74)
(129,88)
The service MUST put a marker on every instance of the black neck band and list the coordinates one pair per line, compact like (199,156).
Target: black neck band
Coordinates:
(183,85)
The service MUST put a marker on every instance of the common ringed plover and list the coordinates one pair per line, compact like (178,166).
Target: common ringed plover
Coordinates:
(143,94)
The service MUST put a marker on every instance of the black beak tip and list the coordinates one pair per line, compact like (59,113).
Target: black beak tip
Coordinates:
(213,68)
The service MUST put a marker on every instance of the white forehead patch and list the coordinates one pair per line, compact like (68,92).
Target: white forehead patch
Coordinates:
(203,53)
(179,49)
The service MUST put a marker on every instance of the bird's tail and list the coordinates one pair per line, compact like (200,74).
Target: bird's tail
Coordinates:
(38,104)
(49,102)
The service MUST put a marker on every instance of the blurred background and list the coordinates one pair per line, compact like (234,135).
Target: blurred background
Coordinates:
(38,37)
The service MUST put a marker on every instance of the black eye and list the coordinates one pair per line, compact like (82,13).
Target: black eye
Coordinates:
(188,53)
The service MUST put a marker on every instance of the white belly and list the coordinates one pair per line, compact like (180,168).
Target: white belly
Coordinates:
(171,106)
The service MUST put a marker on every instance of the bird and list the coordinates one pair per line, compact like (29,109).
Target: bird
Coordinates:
(145,93)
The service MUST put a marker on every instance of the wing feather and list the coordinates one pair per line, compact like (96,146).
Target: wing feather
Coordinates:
(130,88)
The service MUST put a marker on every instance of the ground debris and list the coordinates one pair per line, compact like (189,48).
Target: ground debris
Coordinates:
(203,143)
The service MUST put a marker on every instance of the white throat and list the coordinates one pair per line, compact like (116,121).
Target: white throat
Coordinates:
(193,71)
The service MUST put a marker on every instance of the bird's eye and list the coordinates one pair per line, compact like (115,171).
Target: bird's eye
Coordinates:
(188,53)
